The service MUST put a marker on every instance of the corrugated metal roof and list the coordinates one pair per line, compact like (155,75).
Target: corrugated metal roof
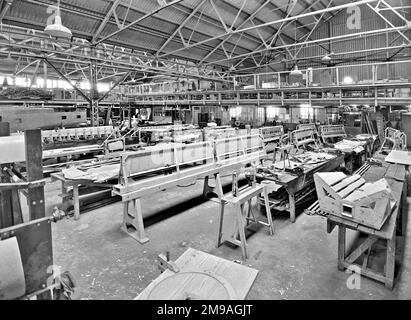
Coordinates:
(152,33)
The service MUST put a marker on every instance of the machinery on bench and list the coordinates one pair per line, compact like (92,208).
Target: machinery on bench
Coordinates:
(182,163)
(27,270)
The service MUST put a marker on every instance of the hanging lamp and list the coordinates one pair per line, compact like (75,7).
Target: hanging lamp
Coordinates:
(326,58)
(296,71)
(9,63)
(57,29)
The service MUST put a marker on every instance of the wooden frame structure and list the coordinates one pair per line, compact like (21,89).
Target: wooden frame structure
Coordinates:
(307,126)
(395,138)
(184,164)
(303,137)
(332,131)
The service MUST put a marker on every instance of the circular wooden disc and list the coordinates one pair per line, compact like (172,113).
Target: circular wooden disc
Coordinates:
(192,286)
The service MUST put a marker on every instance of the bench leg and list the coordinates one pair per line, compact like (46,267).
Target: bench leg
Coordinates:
(221,224)
(133,223)
(390,263)
(268,211)
(206,188)
(76,202)
(341,247)
(65,200)
(291,199)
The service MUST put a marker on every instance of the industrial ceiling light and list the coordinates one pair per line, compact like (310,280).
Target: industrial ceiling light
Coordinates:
(296,71)
(326,58)
(57,29)
(9,62)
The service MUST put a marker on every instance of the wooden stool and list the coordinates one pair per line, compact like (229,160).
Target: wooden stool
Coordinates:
(244,196)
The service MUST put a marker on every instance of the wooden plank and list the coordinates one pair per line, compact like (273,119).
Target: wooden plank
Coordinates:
(241,278)
(338,187)
(351,188)
(367,272)
(400,157)
(34,164)
(6,203)
(331,178)
(361,249)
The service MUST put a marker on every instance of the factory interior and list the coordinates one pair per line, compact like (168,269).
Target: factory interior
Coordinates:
(205,150)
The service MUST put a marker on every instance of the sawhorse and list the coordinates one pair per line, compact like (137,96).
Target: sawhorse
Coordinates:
(244,220)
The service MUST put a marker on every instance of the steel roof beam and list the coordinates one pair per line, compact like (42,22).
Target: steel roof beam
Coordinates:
(6,6)
(345,36)
(105,20)
(334,8)
(139,20)
(181,26)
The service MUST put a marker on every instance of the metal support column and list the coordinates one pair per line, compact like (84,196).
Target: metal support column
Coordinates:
(94,97)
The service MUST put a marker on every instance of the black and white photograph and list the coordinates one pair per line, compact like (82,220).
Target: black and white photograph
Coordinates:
(205,155)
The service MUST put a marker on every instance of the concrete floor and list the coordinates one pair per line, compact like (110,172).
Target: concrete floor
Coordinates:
(298,262)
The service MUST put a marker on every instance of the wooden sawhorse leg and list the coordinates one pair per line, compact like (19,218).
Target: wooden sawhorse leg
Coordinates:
(243,218)
(240,229)
(133,223)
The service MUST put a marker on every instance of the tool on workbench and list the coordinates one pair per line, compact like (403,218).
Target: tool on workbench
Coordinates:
(350,197)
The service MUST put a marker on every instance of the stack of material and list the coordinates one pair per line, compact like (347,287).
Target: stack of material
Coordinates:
(304,159)
(350,146)
(98,174)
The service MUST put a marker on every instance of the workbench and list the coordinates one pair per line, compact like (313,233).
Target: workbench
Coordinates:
(395,175)
(295,184)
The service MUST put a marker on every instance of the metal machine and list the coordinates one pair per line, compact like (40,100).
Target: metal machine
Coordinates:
(26,265)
